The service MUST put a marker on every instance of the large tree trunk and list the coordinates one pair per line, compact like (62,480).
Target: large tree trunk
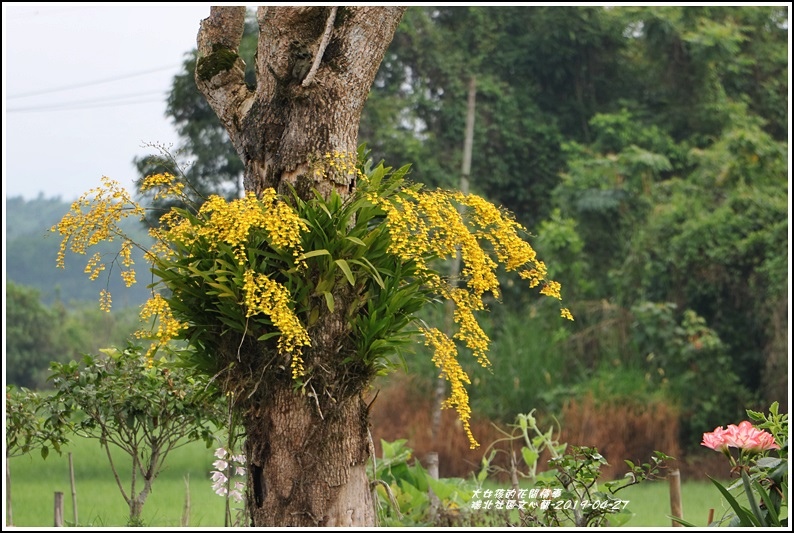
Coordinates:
(306,470)
(306,453)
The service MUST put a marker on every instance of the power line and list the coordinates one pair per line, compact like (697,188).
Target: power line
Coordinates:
(88,103)
(34,109)
(38,12)
(91,83)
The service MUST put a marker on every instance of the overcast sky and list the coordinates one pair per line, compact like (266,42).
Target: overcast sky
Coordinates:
(84,86)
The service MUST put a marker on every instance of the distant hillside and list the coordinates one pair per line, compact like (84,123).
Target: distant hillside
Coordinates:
(31,250)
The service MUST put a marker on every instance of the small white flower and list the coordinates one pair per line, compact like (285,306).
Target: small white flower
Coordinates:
(237,495)
(220,464)
(240,459)
(220,453)
(240,471)
(220,491)
(219,477)
(239,485)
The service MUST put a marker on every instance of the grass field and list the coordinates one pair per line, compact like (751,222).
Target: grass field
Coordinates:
(100,504)
(99,501)
(650,503)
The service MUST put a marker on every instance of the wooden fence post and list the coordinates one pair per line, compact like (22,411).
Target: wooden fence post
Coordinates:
(9,515)
(432,464)
(675,497)
(59,509)
(186,509)
(74,490)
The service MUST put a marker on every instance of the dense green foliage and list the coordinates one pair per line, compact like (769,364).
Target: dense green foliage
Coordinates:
(28,424)
(659,182)
(37,334)
(30,337)
(206,280)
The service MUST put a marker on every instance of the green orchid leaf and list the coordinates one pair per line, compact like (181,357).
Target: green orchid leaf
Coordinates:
(329,300)
(760,516)
(346,269)
(746,519)
(313,253)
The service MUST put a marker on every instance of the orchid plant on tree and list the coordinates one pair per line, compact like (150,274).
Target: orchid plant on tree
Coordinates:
(762,477)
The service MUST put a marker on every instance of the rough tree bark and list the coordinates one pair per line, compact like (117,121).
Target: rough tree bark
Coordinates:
(306,453)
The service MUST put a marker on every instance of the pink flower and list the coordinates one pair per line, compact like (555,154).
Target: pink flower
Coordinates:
(745,436)
(716,440)
(764,441)
(748,437)
(740,436)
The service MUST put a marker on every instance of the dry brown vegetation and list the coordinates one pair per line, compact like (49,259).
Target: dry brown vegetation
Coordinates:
(402,410)
(621,431)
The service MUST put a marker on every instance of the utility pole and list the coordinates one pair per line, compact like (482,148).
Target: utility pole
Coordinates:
(441,383)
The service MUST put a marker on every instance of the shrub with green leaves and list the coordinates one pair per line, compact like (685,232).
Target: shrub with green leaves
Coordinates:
(688,360)
(569,490)
(146,408)
(31,424)
(403,489)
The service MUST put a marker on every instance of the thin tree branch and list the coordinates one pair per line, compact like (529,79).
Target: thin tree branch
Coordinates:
(115,474)
(136,466)
(329,28)
(148,477)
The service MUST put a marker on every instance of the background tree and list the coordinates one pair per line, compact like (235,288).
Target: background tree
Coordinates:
(31,337)
(617,95)
(541,76)
(30,248)
(38,334)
